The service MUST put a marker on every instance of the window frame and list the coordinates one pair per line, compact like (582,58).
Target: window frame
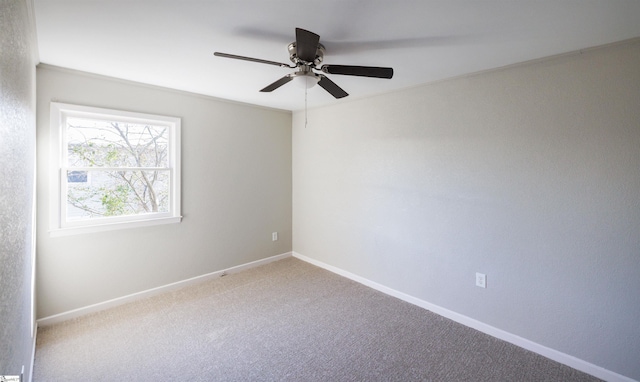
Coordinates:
(59,225)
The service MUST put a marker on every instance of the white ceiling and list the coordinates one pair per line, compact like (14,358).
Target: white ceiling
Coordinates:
(171,43)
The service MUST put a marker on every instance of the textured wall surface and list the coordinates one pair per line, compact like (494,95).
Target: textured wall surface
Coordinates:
(17,158)
(236,191)
(529,174)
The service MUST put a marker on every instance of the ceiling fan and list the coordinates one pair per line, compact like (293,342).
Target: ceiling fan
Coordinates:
(307,54)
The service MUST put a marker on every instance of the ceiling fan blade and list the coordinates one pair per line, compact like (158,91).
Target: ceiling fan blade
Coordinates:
(277,84)
(331,87)
(306,44)
(363,71)
(236,57)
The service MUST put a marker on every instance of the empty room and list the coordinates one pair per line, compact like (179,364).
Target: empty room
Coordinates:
(350,190)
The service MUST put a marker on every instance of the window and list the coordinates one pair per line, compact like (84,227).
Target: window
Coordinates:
(112,169)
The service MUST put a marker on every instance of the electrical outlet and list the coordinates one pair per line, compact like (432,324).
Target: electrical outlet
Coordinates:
(481,280)
(274,236)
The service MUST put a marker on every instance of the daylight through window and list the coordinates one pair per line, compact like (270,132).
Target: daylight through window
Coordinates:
(113,169)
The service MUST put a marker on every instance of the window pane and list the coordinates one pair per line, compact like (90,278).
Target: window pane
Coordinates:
(97,143)
(77,177)
(118,193)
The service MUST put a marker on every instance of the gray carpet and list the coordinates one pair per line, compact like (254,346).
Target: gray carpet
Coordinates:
(284,321)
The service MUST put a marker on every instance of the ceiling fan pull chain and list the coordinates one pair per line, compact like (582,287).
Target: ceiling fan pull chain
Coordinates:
(305,107)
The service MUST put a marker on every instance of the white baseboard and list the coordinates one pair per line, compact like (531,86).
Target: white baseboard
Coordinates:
(56,318)
(553,354)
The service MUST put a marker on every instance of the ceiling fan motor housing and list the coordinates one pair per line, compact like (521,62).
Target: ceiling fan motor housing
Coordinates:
(293,55)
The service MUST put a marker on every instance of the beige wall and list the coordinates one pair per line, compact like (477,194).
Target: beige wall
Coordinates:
(236,191)
(530,174)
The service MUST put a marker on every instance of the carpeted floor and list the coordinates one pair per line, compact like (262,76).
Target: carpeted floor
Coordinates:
(284,321)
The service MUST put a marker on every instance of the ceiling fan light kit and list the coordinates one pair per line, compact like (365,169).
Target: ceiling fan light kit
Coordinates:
(305,80)
(306,54)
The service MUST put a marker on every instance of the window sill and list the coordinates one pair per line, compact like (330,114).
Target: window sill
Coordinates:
(112,226)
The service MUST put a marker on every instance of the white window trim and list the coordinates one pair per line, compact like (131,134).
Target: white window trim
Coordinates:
(57,196)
